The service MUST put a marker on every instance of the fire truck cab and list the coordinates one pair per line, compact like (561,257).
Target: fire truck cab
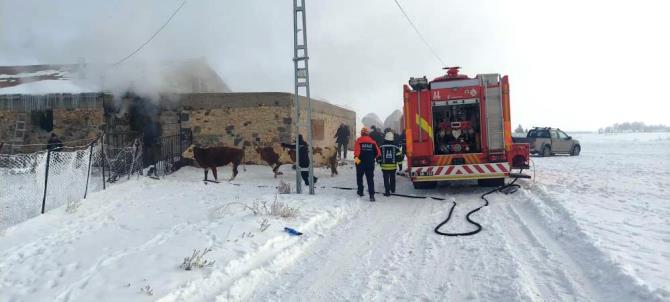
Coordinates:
(459,128)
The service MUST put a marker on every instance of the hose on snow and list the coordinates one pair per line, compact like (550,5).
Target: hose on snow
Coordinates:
(509,188)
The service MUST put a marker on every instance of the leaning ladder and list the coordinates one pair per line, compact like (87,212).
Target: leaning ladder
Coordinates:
(19,132)
(301,69)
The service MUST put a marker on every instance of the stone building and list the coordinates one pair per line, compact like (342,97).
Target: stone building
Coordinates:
(212,118)
(28,120)
(250,120)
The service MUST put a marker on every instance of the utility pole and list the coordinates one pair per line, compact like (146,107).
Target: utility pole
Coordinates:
(300,63)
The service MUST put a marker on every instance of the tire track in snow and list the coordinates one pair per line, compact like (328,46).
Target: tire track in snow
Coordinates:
(350,254)
(579,259)
(562,280)
(238,278)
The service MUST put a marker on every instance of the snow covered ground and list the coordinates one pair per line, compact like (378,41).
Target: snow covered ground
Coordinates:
(618,192)
(589,228)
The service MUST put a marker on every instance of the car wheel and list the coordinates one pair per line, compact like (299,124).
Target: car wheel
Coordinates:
(546,151)
(575,150)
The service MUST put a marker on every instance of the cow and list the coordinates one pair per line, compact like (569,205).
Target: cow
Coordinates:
(212,157)
(276,156)
(326,156)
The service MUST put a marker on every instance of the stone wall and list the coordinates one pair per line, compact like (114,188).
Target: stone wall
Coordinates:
(76,118)
(74,127)
(78,124)
(7,124)
(331,116)
(246,126)
(244,120)
(249,120)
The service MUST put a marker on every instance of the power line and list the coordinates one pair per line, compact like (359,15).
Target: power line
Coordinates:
(152,37)
(419,33)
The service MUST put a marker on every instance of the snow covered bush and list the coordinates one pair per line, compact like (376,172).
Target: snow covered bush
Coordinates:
(276,209)
(283,188)
(281,209)
(196,260)
(72,206)
(147,290)
(264,224)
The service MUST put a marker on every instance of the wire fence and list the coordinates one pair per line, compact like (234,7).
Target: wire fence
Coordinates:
(33,183)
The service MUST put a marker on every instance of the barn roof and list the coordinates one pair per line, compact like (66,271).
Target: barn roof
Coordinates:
(185,76)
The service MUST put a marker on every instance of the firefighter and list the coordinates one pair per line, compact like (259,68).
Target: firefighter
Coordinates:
(377,135)
(342,139)
(366,151)
(391,155)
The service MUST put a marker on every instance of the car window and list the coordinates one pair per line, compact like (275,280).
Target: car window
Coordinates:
(538,133)
(544,134)
(562,135)
(553,134)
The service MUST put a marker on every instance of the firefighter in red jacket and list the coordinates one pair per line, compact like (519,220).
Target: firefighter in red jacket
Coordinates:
(366,151)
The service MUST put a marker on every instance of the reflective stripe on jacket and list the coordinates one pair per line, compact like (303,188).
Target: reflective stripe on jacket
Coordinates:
(391,155)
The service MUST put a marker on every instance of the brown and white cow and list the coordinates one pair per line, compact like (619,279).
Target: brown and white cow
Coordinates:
(276,156)
(326,156)
(212,157)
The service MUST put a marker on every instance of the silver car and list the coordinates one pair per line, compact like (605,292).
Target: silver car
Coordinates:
(547,141)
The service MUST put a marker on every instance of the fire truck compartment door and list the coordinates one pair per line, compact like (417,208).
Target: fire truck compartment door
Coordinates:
(494,111)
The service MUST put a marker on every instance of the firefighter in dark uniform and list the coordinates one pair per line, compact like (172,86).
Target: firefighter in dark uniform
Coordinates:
(391,155)
(366,151)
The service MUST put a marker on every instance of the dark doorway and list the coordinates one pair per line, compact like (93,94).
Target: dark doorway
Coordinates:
(144,118)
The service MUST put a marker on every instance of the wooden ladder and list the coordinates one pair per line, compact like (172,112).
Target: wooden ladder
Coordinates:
(19,132)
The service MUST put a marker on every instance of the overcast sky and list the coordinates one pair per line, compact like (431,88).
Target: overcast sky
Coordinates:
(577,65)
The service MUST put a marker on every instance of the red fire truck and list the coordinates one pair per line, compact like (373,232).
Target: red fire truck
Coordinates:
(459,128)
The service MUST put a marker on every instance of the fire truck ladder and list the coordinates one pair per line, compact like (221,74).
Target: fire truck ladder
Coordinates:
(19,132)
(301,68)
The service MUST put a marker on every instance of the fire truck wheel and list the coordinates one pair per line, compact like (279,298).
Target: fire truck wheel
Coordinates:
(491,182)
(424,185)
(575,150)
(546,151)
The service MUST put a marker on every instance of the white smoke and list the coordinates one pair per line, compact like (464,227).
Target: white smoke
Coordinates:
(393,121)
(101,33)
(371,119)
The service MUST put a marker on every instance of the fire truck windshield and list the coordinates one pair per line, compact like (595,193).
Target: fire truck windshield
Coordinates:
(457,127)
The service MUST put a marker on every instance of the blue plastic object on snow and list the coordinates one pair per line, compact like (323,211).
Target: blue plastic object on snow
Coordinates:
(292,232)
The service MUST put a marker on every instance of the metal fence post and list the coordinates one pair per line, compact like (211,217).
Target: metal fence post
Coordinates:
(104,159)
(88,174)
(46,181)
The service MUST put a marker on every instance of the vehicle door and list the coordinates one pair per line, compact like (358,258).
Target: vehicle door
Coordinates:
(564,142)
(555,142)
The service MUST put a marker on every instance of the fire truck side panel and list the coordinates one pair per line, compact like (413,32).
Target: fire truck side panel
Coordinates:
(494,112)
(506,113)
(422,126)
(409,138)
